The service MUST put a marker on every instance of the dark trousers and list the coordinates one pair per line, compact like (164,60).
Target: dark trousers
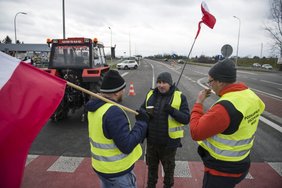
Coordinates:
(155,154)
(211,181)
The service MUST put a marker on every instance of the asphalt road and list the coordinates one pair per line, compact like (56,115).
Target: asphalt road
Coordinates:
(69,137)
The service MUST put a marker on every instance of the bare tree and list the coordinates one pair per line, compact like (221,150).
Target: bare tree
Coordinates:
(275,27)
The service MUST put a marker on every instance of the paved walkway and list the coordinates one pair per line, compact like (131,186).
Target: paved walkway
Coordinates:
(76,172)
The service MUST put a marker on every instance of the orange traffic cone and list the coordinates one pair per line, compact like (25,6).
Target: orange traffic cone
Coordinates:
(131,90)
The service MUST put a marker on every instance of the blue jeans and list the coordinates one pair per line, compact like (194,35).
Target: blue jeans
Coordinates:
(127,180)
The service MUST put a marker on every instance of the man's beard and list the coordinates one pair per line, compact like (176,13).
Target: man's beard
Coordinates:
(119,99)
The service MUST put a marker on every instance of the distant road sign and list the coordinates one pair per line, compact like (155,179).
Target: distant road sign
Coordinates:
(226,50)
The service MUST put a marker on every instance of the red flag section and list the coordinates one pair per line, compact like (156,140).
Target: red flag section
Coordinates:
(207,18)
(28,97)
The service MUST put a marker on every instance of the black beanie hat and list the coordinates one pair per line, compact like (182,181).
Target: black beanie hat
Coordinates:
(112,82)
(224,71)
(165,77)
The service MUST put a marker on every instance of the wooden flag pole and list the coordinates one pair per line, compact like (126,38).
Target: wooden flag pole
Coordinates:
(100,97)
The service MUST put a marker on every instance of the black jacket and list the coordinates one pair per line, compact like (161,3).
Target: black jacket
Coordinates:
(158,125)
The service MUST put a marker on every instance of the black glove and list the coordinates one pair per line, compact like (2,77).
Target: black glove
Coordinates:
(168,109)
(142,116)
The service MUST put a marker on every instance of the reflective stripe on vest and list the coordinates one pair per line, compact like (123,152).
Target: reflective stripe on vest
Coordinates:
(105,155)
(237,146)
(175,129)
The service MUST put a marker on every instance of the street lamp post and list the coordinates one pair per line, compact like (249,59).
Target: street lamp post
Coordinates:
(64,28)
(111,43)
(15,25)
(111,35)
(236,63)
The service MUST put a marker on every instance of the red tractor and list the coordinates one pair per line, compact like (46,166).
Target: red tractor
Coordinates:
(80,61)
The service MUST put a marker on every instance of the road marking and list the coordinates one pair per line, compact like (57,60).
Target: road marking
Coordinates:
(30,158)
(65,164)
(271,82)
(249,176)
(199,72)
(246,72)
(275,96)
(270,123)
(181,170)
(172,69)
(153,76)
(124,74)
(277,167)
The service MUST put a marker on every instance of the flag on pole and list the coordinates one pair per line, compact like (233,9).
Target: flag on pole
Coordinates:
(207,18)
(28,97)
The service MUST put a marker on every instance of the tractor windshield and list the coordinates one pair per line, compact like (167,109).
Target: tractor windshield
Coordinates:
(70,56)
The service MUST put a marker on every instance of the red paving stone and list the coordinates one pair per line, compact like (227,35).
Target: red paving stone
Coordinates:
(37,176)
(272,105)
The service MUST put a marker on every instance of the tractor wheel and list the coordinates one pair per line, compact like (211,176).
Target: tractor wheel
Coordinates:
(61,112)
(95,86)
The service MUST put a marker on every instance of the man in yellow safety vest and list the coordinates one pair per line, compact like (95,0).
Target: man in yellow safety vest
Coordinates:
(226,132)
(114,145)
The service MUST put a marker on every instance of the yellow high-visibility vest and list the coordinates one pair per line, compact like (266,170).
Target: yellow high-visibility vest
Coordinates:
(175,129)
(105,156)
(237,146)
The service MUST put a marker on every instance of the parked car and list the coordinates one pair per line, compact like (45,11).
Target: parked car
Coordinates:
(256,65)
(127,64)
(180,61)
(267,66)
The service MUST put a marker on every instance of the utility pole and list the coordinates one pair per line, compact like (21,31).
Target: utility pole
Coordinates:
(64,31)
(261,47)
(236,63)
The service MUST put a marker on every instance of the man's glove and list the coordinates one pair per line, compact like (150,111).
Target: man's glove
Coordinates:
(168,109)
(142,116)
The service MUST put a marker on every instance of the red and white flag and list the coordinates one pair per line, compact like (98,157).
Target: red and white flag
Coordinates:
(207,18)
(28,97)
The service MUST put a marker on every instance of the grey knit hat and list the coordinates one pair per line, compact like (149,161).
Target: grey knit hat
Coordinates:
(165,77)
(112,82)
(224,71)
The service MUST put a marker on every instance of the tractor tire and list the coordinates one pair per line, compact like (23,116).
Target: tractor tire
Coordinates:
(95,86)
(61,112)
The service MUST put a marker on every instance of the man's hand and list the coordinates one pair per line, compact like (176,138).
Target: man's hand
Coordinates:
(168,109)
(202,95)
(142,116)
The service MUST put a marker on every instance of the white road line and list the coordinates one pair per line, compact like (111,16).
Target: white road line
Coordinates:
(199,72)
(249,176)
(271,82)
(181,170)
(124,74)
(246,72)
(30,158)
(153,76)
(65,164)
(277,166)
(270,123)
(172,69)
(199,82)
(275,96)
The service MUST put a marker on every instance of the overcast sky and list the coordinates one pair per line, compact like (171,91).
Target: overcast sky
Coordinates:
(149,27)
